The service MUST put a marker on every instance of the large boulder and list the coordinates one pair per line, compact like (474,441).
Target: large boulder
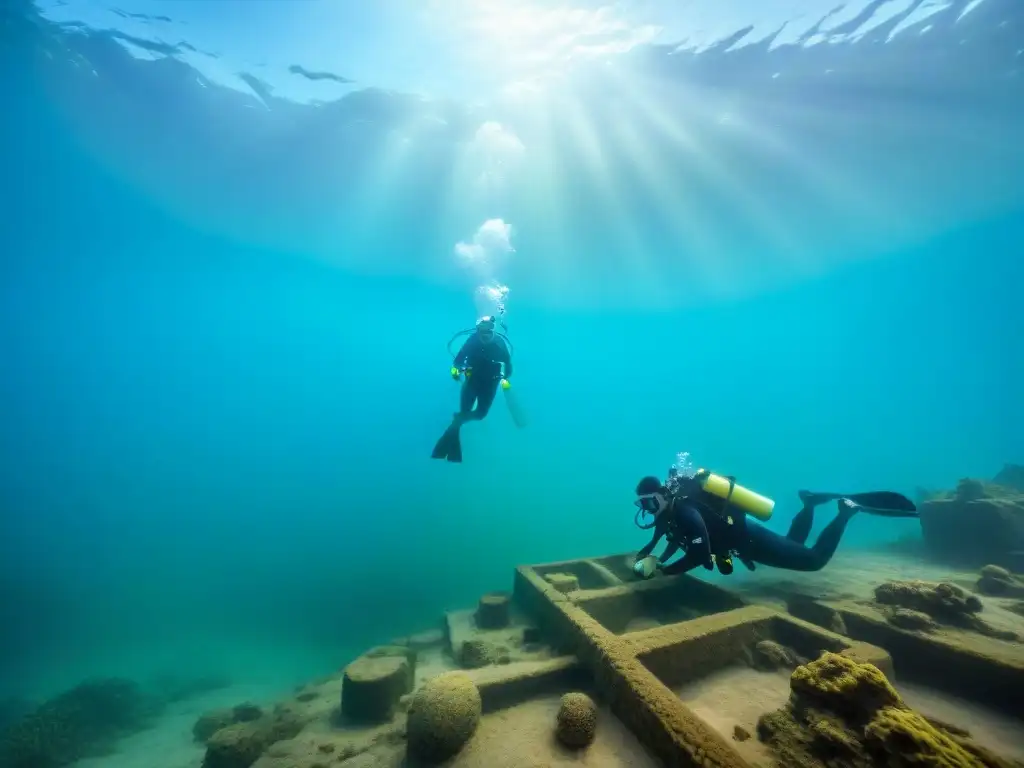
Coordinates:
(976,524)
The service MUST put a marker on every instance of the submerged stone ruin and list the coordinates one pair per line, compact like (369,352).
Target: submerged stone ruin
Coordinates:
(582,661)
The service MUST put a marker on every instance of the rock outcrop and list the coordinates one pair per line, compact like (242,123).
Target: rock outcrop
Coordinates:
(85,721)
(999,582)
(908,604)
(977,523)
(211,722)
(845,714)
(240,745)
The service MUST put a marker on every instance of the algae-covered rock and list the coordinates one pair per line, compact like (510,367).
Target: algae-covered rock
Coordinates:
(210,722)
(241,744)
(999,582)
(846,714)
(945,603)
(977,523)
(443,716)
(86,721)
(576,722)
(917,621)
(477,653)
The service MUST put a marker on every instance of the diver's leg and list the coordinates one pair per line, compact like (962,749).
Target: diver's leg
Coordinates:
(485,394)
(769,548)
(828,541)
(802,523)
(467,396)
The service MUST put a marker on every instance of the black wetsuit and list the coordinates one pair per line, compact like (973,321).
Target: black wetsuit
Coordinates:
(702,525)
(484,363)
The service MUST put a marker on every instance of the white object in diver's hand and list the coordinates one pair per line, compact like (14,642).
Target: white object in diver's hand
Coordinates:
(646,567)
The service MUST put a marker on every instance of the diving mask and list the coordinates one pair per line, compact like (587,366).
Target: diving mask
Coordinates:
(648,504)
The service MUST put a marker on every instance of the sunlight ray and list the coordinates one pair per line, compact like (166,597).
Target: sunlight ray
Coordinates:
(675,200)
(594,153)
(396,157)
(715,172)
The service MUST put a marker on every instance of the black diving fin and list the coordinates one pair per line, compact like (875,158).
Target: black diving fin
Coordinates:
(449,446)
(882,503)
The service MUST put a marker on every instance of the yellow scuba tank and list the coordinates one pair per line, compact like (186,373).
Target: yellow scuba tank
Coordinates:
(752,503)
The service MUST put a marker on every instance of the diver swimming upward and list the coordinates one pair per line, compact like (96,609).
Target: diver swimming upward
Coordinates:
(485,360)
(706,515)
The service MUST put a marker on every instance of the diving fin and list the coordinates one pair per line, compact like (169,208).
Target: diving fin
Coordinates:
(882,503)
(455,445)
(449,446)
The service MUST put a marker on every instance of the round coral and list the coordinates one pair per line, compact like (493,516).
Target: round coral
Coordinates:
(577,720)
(443,715)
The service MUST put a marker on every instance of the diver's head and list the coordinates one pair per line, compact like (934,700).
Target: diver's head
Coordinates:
(485,329)
(652,499)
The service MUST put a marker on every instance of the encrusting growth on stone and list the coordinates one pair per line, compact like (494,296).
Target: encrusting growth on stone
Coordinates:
(576,722)
(443,715)
(843,713)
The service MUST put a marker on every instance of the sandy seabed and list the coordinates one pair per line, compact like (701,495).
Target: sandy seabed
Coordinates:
(522,736)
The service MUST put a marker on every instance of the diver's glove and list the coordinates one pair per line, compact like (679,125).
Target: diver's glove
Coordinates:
(456,373)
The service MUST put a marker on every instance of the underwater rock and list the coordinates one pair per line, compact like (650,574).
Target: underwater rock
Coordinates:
(240,745)
(739,733)
(563,582)
(443,716)
(480,653)
(493,611)
(844,713)
(372,686)
(210,722)
(576,722)
(977,523)
(999,582)
(946,603)
(769,656)
(1011,476)
(905,618)
(86,721)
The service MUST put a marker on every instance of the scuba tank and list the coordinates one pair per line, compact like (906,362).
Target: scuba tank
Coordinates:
(753,504)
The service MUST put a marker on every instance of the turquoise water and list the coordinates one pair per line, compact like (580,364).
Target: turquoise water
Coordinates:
(223,330)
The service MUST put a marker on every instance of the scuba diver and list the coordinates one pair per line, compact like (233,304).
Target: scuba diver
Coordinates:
(705,514)
(485,360)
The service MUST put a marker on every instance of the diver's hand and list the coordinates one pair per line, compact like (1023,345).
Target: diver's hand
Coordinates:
(456,373)
(639,570)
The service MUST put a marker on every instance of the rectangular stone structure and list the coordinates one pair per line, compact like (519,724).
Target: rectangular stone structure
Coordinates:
(635,671)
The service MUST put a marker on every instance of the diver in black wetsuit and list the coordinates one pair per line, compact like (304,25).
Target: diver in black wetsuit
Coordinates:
(711,532)
(486,360)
